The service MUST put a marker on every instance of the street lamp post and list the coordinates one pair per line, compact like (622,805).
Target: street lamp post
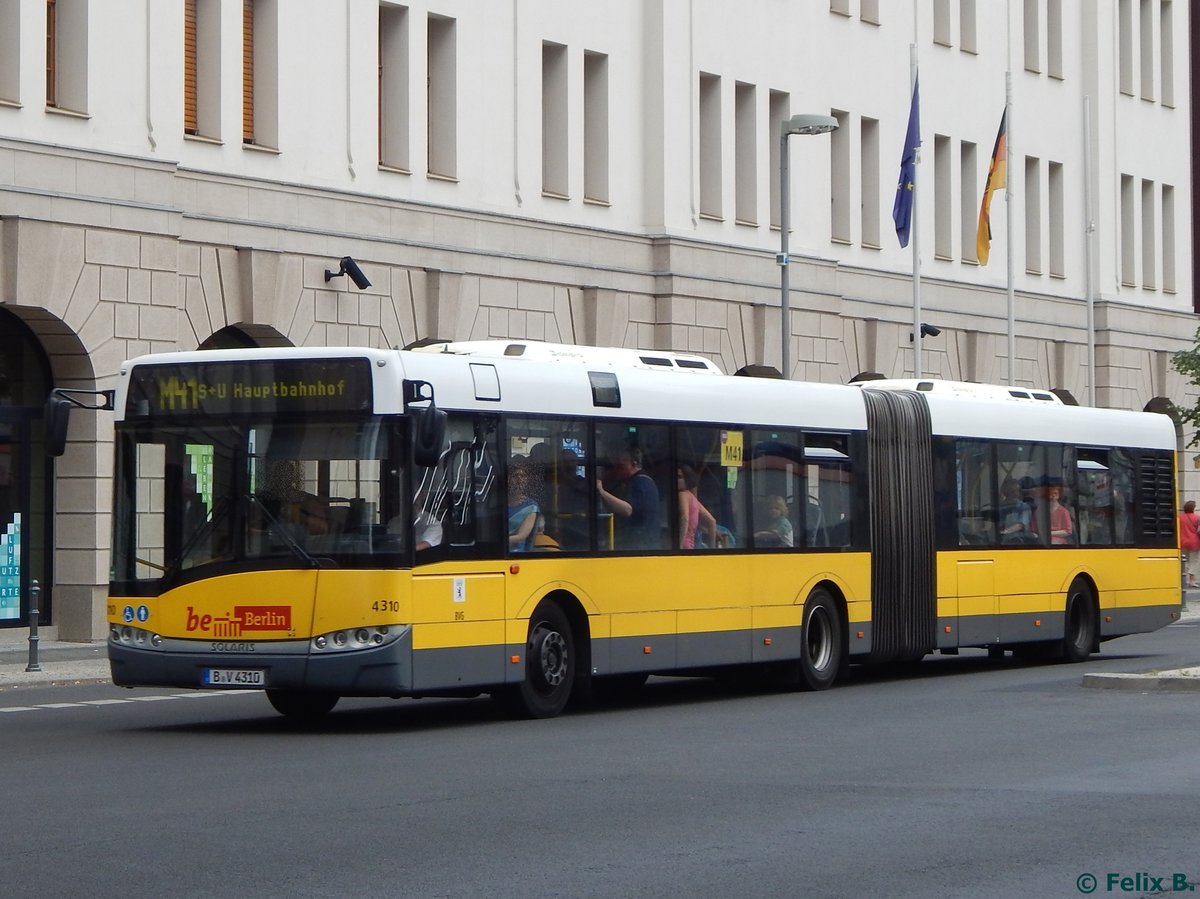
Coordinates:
(797,124)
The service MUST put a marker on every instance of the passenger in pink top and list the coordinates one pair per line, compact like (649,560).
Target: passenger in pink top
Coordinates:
(1061,529)
(692,512)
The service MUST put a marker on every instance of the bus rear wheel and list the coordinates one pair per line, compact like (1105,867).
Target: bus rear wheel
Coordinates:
(549,666)
(300,705)
(822,649)
(1079,632)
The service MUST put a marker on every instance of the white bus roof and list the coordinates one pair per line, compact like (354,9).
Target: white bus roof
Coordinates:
(596,356)
(967,389)
(539,382)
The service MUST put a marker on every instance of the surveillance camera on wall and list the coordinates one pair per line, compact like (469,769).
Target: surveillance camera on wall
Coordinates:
(349,267)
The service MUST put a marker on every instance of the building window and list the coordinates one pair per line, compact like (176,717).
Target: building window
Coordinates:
(1057,220)
(393,88)
(1166,51)
(839,180)
(51,52)
(869,168)
(260,73)
(1146,38)
(555,173)
(868,11)
(10,51)
(1125,48)
(202,68)
(1033,38)
(1148,247)
(595,127)
(745,153)
(442,104)
(840,7)
(1168,238)
(1128,232)
(943,205)
(67,55)
(1054,39)
(966,26)
(941,22)
(1033,215)
(710,146)
(190,124)
(780,103)
(968,201)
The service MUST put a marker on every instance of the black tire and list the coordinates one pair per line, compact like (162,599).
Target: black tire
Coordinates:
(300,705)
(822,644)
(549,666)
(1079,626)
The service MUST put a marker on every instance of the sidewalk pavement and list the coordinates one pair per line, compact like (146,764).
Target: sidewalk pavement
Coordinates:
(73,663)
(60,663)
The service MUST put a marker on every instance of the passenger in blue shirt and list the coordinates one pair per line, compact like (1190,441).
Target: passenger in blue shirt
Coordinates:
(523,510)
(633,502)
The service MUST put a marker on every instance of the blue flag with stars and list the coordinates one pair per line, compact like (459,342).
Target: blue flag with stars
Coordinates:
(902,209)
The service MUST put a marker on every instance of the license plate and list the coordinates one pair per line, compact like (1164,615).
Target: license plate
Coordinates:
(234,677)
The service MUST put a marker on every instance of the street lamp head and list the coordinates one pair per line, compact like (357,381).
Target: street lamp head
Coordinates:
(809,124)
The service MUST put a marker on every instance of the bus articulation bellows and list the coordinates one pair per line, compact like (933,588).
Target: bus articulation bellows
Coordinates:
(515,518)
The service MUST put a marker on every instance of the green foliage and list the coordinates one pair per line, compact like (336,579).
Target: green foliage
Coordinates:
(1187,363)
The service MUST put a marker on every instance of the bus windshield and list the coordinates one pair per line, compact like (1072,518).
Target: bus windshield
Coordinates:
(199,498)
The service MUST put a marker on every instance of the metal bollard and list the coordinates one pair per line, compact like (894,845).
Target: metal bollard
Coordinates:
(34,593)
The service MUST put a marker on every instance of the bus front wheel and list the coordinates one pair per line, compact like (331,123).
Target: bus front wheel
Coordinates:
(549,666)
(1079,633)
(300,705)
(822,648)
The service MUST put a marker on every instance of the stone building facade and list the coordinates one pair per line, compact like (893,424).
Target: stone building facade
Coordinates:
(602,174)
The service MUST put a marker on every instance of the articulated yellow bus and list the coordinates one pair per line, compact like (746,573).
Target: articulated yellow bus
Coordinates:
(532,521)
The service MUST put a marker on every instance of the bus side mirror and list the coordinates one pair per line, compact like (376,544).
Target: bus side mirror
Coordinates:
(57,412)
(58,416)
(429,435)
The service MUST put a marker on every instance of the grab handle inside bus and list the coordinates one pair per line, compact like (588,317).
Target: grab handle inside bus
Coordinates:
(429,423)
(58,413)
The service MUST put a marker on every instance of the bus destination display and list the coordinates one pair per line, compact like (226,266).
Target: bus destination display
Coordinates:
(227,388)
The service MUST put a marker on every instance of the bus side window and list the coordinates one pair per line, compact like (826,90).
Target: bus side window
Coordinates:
(782,511)
(472,503)
(976,500)
(1095,498)
(715,459)
(828,491)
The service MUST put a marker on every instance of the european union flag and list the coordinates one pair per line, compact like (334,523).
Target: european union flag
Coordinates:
(906,187)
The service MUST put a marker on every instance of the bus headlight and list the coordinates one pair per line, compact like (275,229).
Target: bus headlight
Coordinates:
(356,638)
(135,637)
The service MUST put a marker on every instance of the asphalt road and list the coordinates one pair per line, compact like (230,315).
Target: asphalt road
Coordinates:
(961,777)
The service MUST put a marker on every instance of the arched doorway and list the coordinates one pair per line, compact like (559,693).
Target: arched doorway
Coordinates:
(26,487)
(244,336)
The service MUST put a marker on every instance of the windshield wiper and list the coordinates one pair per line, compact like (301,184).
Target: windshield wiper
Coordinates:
(174,569)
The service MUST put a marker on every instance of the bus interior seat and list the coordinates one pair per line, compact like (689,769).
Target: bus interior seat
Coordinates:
(814,523)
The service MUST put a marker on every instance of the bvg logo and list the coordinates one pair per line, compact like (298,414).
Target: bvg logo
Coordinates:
(241,621)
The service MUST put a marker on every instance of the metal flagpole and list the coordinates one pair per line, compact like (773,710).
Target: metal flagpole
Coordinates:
(1089,233)
(1008,203)
(915,230)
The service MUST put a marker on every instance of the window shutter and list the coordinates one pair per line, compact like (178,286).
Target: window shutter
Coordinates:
(190,125)
(247,71)
(51,51)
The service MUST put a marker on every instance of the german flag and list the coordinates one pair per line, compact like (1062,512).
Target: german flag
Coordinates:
(997,178)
